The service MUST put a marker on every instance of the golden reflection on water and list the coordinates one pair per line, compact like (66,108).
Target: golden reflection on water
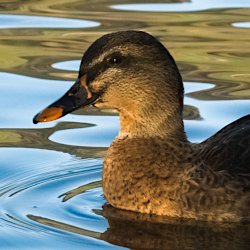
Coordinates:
(38,138)
(142,231)
(205,44)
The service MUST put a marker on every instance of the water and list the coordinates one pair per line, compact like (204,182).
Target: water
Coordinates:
(184,6)
(25,21)
(50,174)
(242,24)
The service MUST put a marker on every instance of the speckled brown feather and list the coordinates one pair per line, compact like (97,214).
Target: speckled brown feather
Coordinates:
(167,178)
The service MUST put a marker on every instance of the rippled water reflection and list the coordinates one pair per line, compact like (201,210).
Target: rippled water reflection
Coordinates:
(50,174)
(242,25)
(22,21)
(184,6)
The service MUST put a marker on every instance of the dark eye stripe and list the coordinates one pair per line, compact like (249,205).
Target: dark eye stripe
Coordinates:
(96,71)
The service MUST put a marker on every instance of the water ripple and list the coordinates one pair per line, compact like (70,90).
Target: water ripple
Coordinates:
(41,193)
(242,25)
(187,6)
(28,21)
(67,65)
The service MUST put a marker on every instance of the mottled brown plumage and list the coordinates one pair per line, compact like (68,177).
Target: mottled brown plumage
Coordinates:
(165,177)
(151,167)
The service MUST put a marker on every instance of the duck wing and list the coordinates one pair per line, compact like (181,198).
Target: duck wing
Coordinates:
(229,149)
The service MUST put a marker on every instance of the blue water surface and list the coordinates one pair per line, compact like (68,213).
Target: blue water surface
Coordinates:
(30,21)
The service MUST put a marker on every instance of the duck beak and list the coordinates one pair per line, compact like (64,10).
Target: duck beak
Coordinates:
(79,95)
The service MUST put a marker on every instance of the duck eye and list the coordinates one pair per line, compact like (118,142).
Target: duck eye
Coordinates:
(115,59)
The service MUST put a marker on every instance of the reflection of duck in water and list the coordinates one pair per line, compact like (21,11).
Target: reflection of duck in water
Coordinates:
(144,231)
(151,167)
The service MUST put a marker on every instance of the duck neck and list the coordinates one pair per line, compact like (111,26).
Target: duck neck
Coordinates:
(166,125)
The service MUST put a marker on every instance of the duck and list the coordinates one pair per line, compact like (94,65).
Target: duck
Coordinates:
(151,167)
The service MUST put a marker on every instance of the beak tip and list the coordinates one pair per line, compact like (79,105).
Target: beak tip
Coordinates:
(48,114)
(35,121)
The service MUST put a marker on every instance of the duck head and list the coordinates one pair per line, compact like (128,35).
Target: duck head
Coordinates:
(130,71)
